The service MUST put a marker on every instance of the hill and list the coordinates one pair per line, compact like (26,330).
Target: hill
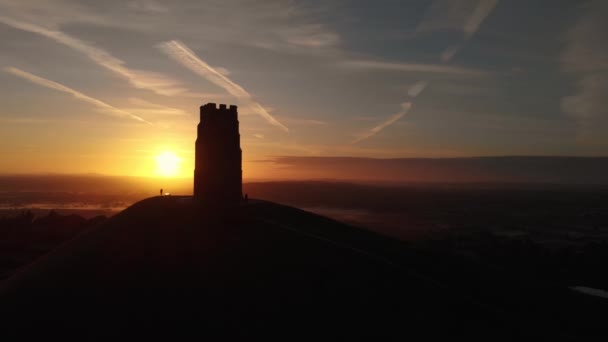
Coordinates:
(168,267)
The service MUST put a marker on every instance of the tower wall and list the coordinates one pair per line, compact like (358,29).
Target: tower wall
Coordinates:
(218,174)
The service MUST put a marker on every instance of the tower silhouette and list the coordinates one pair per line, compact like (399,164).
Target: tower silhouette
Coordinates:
(218,171)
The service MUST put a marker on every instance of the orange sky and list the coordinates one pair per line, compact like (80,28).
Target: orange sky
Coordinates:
(108,88)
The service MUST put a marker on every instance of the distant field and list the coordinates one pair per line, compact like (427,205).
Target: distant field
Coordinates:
(550,214)
(558,231)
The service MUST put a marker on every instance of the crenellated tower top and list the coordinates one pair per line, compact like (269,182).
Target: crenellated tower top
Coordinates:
(218,170)
(210,110)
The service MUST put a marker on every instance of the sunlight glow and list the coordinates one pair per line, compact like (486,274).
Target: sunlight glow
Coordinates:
(167,164)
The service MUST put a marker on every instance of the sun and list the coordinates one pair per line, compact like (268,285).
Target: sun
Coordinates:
(167,164)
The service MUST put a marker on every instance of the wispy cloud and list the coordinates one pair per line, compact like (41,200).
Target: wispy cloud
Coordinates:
(156,82)
(449,53)
(183,55)
(417,88)
(143,106)
(411,67)
(414,91)
(461,15)
(585,57)
(479,14)
(465,15)
(394,118)
(25,121)
(147,6)
(366,118)
(360,150)
(458,15)
(311,36)
(105,108)
(303,122)
(276,25)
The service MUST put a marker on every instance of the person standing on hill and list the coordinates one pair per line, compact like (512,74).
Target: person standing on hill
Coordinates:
(161,191)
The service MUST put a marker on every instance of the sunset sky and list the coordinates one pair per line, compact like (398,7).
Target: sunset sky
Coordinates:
(114,87)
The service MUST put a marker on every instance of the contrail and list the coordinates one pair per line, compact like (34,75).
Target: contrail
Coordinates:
(464,15)
(417,88)
(156,82)
(472,23)
(406,107)
(412,67)
(143,106)
(60,87)
(183,55)
(479,14)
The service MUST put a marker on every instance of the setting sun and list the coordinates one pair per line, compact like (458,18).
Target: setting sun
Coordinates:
(167,164)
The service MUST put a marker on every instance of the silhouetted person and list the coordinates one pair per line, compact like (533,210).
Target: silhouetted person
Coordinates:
(161,191)
(246,198)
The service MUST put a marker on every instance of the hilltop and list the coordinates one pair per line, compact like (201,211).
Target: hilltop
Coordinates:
(167,266)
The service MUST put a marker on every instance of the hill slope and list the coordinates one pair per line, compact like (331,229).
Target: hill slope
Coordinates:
(169,267)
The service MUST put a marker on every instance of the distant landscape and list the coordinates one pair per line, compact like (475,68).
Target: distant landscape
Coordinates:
(557,231)
(314,170)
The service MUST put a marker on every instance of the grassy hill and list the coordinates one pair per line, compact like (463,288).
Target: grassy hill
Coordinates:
(169,267)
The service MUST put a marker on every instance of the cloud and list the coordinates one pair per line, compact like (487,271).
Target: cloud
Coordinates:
(312,36)
(464,15)
(461,15)
(479,14)
(223,71)
(183,55)
(25,121)
(417,88)
(147,6)
(106,108)
(277,25)
(458,15)
(411,67)
(216,96)
(449,53)
(413,92)
(143,106)
(365,118)
(303,122)
(558,170)
(585,57)
(405,106)
(153,81)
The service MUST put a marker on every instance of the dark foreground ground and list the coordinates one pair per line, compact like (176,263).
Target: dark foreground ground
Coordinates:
(168,268)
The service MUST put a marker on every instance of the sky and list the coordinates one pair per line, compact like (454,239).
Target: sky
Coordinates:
(114,87)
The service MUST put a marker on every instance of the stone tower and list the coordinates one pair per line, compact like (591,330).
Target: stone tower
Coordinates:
(218,172)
